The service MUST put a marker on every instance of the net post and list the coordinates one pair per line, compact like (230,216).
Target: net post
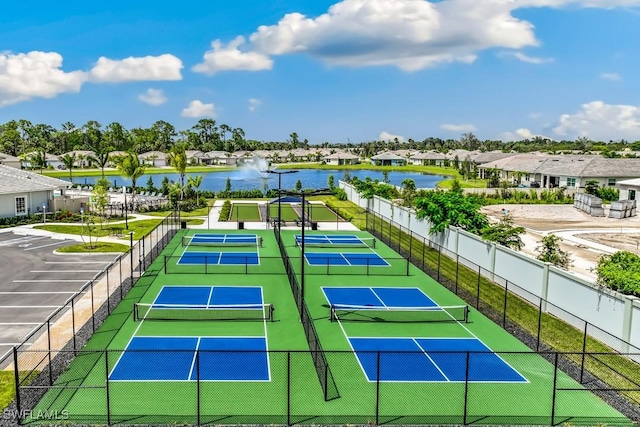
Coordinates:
(367,266)
(106,369)
(246,265)
(165,264)
(206,258)
(271,310)
(135,312)
(332,313)
(466,314)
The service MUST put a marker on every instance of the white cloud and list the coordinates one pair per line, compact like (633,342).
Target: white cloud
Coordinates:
(24,76)
(526,58)
(462,127)
(197,109)
(153,97)
(519,135)
(386,136)
(147,68)
(254,103)
(599,121)
(408,34)
(614,77)
(221,58)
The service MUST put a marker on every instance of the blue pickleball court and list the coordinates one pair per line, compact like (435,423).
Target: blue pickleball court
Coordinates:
(345,259)
(219,258)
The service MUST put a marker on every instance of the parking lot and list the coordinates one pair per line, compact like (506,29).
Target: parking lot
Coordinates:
(34,282)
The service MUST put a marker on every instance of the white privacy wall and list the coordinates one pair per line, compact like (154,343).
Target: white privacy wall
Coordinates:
(567,296)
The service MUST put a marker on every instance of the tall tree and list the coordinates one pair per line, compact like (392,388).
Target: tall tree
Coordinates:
(69,160)
(207,132)
(164,134)
(130,167)
(178,159)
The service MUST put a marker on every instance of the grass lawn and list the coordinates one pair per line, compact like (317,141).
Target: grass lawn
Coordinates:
(99,247)
(435,170)
(288,214)
(244,212)
(473,183)
(7,388)
(139,228)
(197,212)
(346,209)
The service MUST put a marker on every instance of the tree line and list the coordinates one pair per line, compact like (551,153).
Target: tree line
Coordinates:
(19,137)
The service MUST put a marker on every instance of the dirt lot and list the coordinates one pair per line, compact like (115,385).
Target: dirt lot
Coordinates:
(584,236)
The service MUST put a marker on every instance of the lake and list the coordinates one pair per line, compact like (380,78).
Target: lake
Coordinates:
(249,179)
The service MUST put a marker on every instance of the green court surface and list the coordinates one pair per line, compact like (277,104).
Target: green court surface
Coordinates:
(321,213)
(293,394)
(245,212)
(287,212)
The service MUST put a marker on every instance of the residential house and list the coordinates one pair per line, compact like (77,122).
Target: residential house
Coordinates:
(340,159)
(220,158)
(629,189)
(388,159)
(52,161)
(428,158)
(154,158)
(562,171)
(11,161)
(195,157)
(23,192)
(83,158)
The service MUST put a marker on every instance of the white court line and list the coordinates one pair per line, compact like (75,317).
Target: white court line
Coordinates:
(379,299)
(65,271)
(430,359)
(62,242)
(15,343)
(193,361)
(77,262)
(52,281)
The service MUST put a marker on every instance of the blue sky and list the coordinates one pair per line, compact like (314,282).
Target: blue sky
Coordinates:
(334,71)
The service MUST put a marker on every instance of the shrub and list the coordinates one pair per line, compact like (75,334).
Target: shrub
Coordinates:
(225,211)
(620,272)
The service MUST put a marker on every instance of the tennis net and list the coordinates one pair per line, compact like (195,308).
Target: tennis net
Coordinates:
(202,312)
(336,242)
(221,241)
(356,313)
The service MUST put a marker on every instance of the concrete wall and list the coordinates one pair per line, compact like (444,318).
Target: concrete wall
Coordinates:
(616,317)
(33,200)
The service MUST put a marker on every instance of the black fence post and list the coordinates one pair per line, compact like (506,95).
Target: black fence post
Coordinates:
(457,272)
(555,386)
(121,287)
(16,374)
(144,254)
(504,304)
(466,390)
(410,244)
(367,266)
(106,362)
(478,290)
(424,246)
(108,293)
(288,388)
(378,389)
(584,351)
(73,324)
(49,351)
(539,325)
(93,310)
(439,255)
(165,264)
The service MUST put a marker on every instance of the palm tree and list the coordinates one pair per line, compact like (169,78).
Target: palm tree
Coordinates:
(100,159)
(130,167)
(38,160)
(68,160)
(195,182)
(178,159)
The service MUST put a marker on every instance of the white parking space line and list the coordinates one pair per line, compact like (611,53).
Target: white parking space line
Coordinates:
(19,323)
(65,271)
(15,343)
(77,262)
(30,306)
(51,281)
(62,242)
(19,240)
(33,292)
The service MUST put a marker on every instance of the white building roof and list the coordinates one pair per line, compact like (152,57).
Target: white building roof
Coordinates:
(13,181)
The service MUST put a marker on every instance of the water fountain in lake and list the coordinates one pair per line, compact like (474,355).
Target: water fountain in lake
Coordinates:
(253,171)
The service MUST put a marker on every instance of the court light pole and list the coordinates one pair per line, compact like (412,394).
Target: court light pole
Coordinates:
(303,194)
(279,173)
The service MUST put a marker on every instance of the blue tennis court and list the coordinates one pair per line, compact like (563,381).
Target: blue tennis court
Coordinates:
(377,297)
(220,258)
(224,238)
(431,360)
(346,259)
(330,239)
(209,295)
(174,359)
